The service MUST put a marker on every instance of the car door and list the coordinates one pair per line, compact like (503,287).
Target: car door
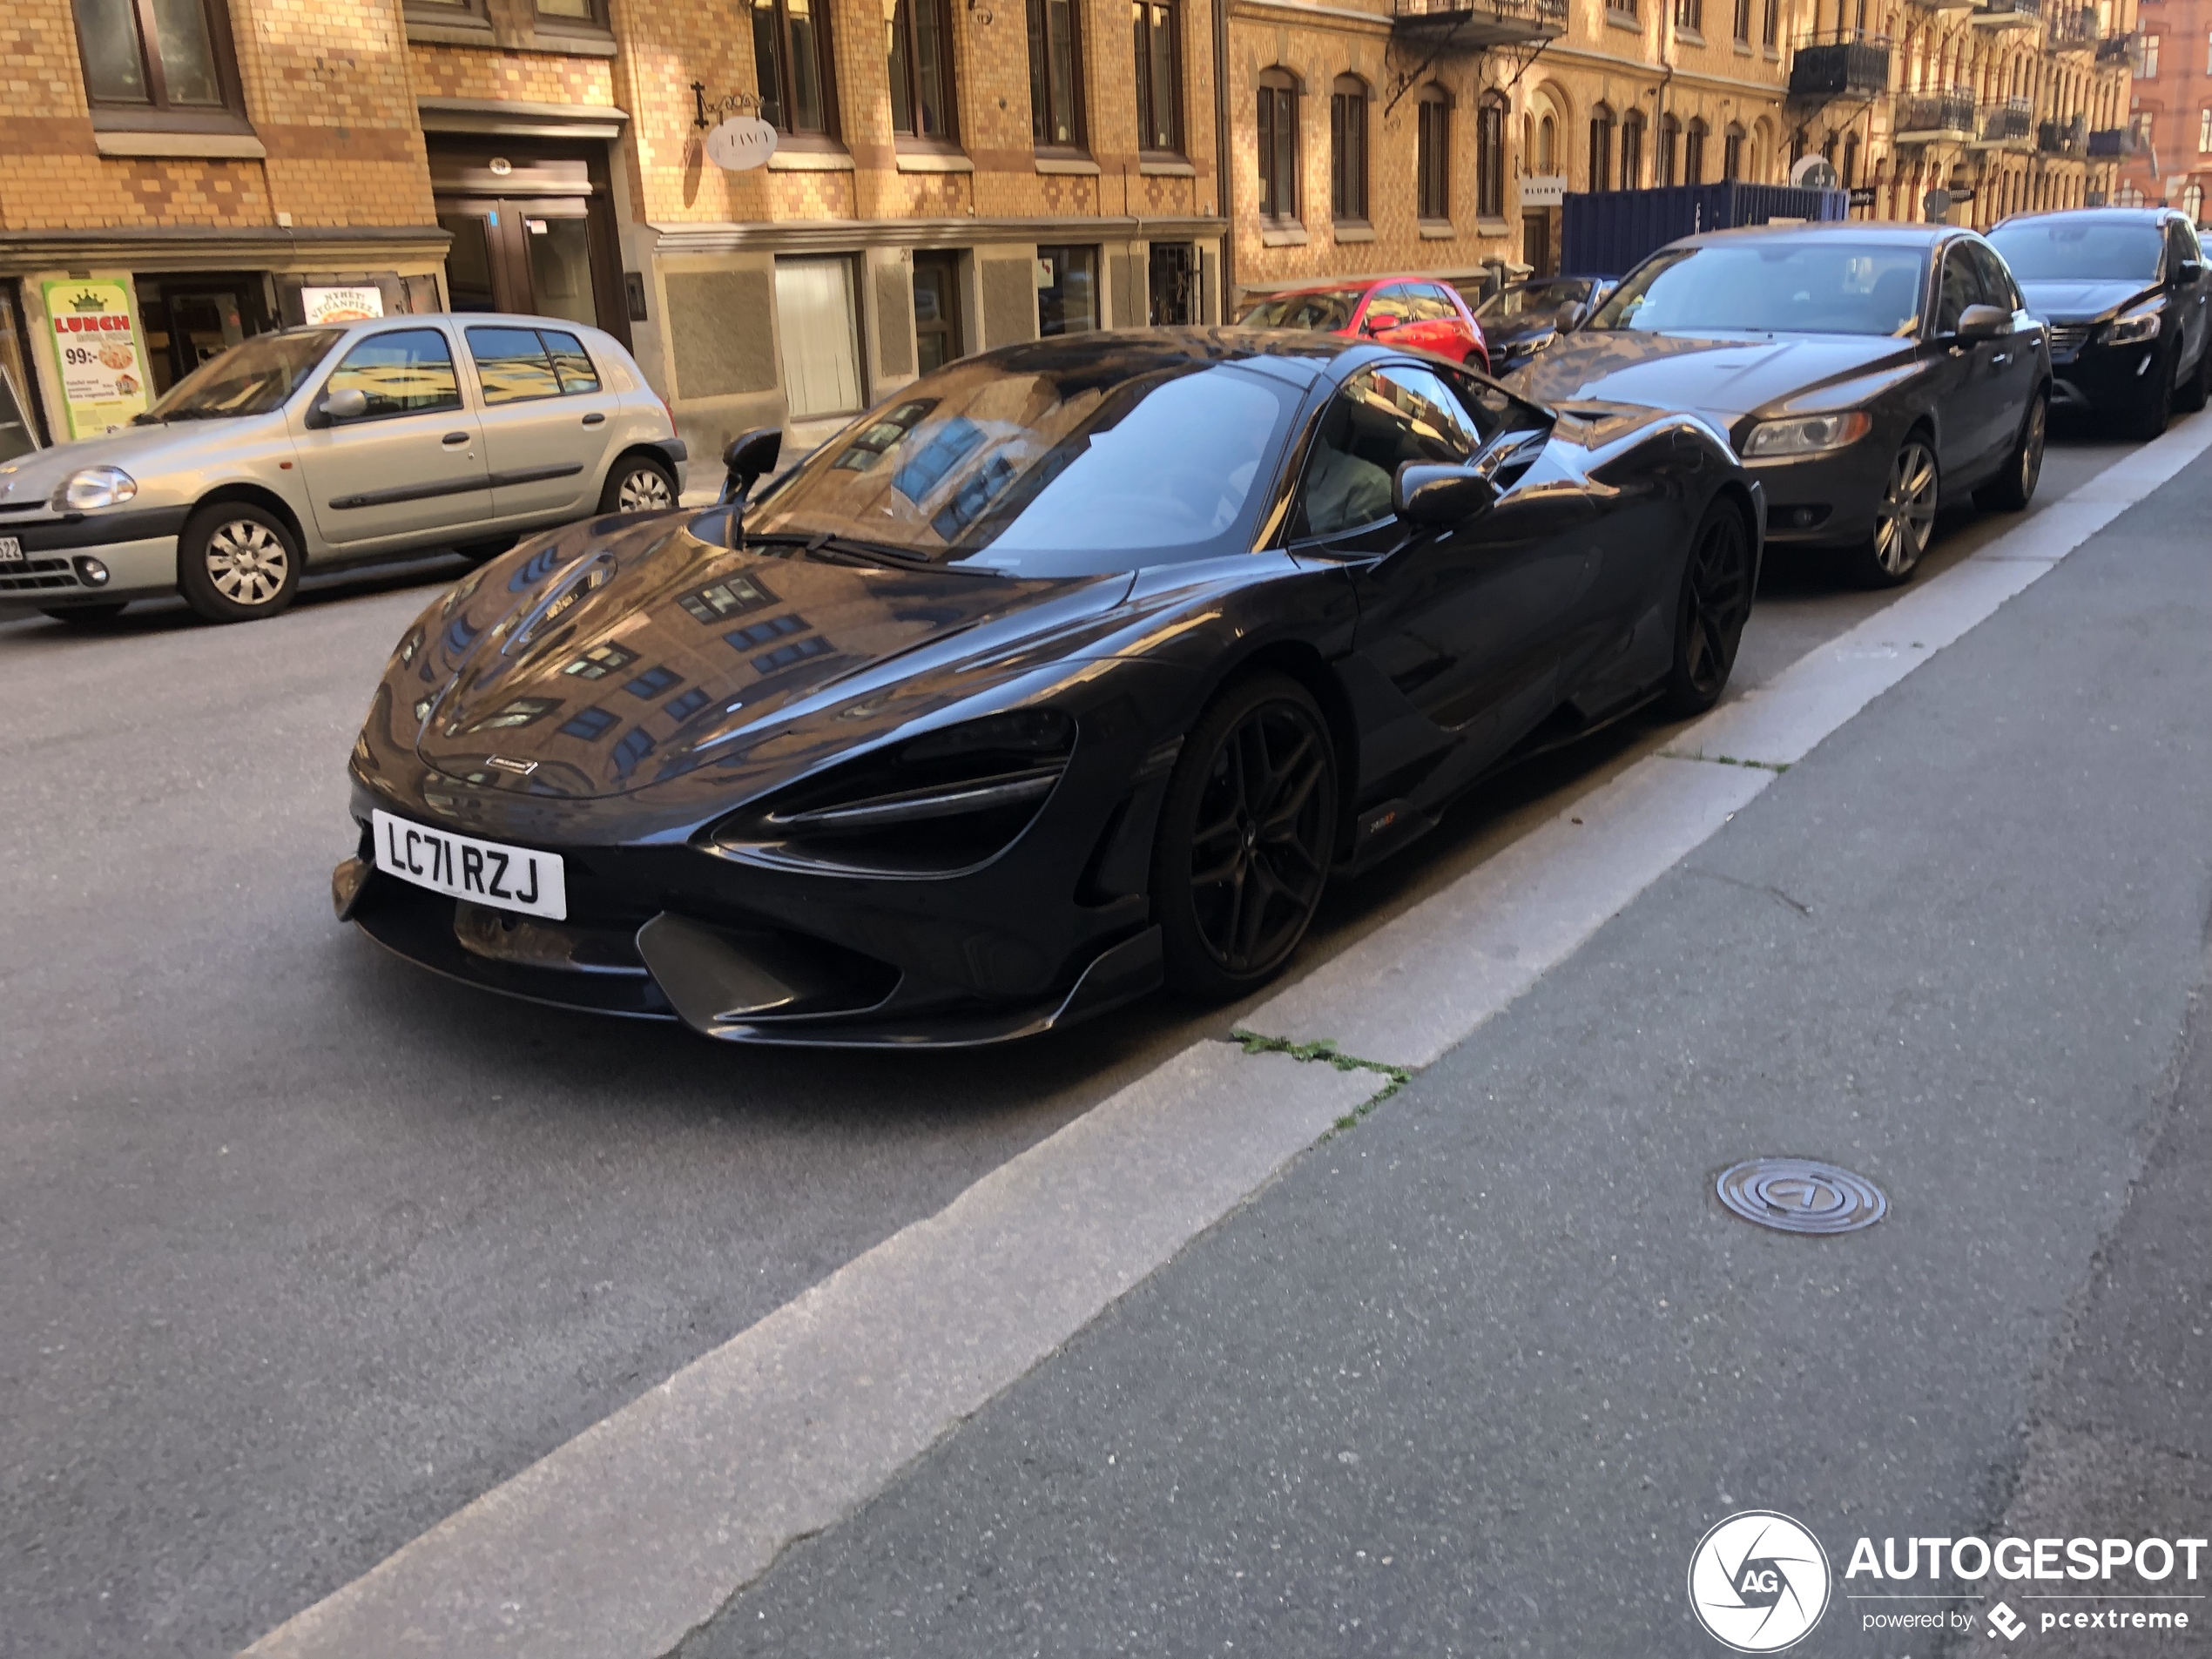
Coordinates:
(546,420)
(2013,361)
(410,467)
(1969,395)
(2188,303)
(1396,302)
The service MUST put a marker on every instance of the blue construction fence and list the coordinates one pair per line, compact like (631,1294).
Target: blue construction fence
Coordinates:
(1605,232)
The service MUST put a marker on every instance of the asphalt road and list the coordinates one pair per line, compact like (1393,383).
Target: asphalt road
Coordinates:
(301,1249)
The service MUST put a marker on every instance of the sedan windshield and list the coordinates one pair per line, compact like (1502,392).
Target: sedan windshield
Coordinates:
(1327,311)
(1531,301)
(2080,251)
(1042,461)
(250,379)
(1815,285)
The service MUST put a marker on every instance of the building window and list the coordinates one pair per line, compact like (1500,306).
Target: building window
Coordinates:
(1159,84)
(921,51)
(587,15)
(165,56)
(1732,152)
(1433,154)
(1632,150)
(1663,164)
(2147,67)
(790,46)
(1548,147)
(1056,90)
(818,337)
(1348,149)
(1277,146)
(1068,304)
(1693,154)
(1850,161)
(1770,22)
(1690,15)
(1601,148)
(2203,131)
(2193,201)
(1490,157)
(1743,22)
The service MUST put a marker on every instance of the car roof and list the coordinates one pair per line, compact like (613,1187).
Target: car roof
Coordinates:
(1355,284)
(1302,354)
(1858,230)
(467,319)
(2144,215)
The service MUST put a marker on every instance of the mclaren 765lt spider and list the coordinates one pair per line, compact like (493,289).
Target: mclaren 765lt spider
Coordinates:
(1072,668)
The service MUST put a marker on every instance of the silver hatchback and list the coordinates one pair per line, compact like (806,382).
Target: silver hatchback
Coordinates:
(326,446)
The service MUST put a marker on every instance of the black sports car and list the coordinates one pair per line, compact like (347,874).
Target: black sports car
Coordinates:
(2123,292)
(1073,667)
(1868,374)
(1522,318)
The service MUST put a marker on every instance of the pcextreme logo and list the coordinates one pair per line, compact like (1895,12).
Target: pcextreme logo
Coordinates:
(1759,1581)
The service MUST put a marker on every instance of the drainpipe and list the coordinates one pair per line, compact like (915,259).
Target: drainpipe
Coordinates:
(1224,202)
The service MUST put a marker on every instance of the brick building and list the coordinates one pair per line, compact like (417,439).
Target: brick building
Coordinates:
(2170,122)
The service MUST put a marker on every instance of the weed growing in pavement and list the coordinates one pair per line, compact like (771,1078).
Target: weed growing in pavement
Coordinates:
(1325,1049)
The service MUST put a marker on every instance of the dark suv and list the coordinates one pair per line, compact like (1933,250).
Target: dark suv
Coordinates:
(2122,291)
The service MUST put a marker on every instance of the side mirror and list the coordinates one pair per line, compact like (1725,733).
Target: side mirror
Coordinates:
(1440,495)
(1983,322)
(2188,271)
(348,403)
(1381,321)
(749,457)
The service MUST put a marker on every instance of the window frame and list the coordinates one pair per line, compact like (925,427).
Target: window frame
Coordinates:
(1694,134)
(315,420)
(1690,16)
(597,26)
(157,113)
(1667,152)
(1147,93)
(1348,184)
(1038,14)
(1433,155)
(1742,35)
(1628,145)
(1490,156)
(1278,90)
(1602,126)
(947,60)
(1733,139)
(786,88)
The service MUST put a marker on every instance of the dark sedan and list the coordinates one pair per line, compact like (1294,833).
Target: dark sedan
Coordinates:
(1072,668)
(1867,374)
(2122,291)
(1522,318)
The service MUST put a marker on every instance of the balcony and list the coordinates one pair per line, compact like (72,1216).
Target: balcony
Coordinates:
(2071,29)
(2108,142)
(2064,140)
(2007,126)
(2008,13)
(2117,48)
(1948,117)
(1469,25)
(1945,6)
(1841,68)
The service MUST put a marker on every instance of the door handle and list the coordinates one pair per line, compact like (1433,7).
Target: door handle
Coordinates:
(597,417)
(2001,360)
(452,438)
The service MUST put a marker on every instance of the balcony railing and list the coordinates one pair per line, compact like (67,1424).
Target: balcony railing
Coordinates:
(1841,68)
(1470,23)
(2116,49)
(2112,141)
(2008,13)
(1944,115)
(2007,122)
(2064,139)
(2071,29)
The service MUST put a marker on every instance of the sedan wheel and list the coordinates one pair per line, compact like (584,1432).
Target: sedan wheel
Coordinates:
(639,486)
(1715,599)
(236,561)
(1247,833)
(1904,523)
(2014,488)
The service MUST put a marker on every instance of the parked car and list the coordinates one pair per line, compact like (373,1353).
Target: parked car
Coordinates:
(329,446)
(1867,374)
(1522,318)
(1421,312)
(1077,666)
(2123,293)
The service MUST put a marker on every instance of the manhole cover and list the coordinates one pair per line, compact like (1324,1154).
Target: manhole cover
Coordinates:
(1797,1196)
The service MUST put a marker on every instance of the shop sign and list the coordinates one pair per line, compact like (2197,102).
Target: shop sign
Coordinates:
(740,144)
(96,352)
(1543,190)
(342,305)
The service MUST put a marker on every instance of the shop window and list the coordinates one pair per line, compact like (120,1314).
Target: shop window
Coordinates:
(168,62)
(1055,86)
(1277,146)
(1432,153)
(921,70)
(1159,84)
(405,372)
(1490,157)
(1348,150)
(1067,303)
(790,52)
(818,337)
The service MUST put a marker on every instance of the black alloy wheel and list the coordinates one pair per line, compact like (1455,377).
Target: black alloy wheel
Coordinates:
(638,484)
(1904,519)
(2193,393)
(237,563)
(2152,418)
(1247,833)
(2012,488)
(1708,621)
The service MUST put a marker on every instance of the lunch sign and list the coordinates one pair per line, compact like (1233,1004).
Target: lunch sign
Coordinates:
(103,367)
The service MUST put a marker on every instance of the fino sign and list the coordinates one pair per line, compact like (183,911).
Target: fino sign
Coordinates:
(740,144)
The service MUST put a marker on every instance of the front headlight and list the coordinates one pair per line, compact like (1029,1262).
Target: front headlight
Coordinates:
(1805,436)
(94,486)
(2133,329)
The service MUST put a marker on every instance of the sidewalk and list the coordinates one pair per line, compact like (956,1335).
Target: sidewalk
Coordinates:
(1476,1372)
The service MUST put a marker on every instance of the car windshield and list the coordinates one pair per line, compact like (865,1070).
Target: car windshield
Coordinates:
(1527,301)
(1817,285)
(2080,251)
(249,379)
(1326,310)
(1044,461)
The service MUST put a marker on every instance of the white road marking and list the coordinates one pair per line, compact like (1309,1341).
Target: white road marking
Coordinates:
(616,1544)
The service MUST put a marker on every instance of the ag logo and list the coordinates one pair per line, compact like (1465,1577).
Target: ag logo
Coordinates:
(1759,1581)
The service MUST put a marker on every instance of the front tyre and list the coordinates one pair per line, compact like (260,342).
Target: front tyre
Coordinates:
(2151,418)
(1710,615)
(638,484)
(2191,394)
(2012,488)
(1246,836)
(237,563)
(1904,521)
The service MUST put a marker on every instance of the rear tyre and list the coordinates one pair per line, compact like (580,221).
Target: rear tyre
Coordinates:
(638,484)
(2193,393)
(86,615)
(2012,488)
(1904,521)
(1246,836)
(237,563)
(1709,617)
(2150,420)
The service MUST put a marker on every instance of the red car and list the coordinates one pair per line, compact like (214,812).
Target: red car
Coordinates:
(1421,312)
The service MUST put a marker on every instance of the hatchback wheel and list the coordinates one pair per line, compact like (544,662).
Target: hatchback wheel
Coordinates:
(638,485)
(1904,523)
(1709,618)
(236,561)
(1246,836)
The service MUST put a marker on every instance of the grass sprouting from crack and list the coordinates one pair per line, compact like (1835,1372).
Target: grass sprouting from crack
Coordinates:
(1777,768)
(1325,1049)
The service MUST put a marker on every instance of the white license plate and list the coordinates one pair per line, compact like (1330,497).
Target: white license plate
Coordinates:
(486,873)
(10,549)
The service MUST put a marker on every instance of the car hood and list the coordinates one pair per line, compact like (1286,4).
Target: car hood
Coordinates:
(606,662)
(1725,377)
(141,451)
(2080,301)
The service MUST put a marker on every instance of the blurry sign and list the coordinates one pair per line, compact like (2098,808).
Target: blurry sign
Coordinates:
(96,351)
(740,143)
(342,305)
(1862,196)
(1046,276)
(1936,204)
(1813,172)
(1543,190)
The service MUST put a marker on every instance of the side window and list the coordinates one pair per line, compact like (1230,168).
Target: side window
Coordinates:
(1396,301)
(1445,311)
(1960,288)
(1996,280)
(2179,245)
(511,365)
(1382,419)
(405,372)
(570,361)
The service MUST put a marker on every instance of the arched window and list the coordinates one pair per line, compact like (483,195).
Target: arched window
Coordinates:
(1850,161)
(1732,153)
(2193,200)
(1601,148)
(1348,149)
(1665,165)
(1277,146)
(1432,153)
(1547,146)
(1632,150)
(1693,153)
(1490,157)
